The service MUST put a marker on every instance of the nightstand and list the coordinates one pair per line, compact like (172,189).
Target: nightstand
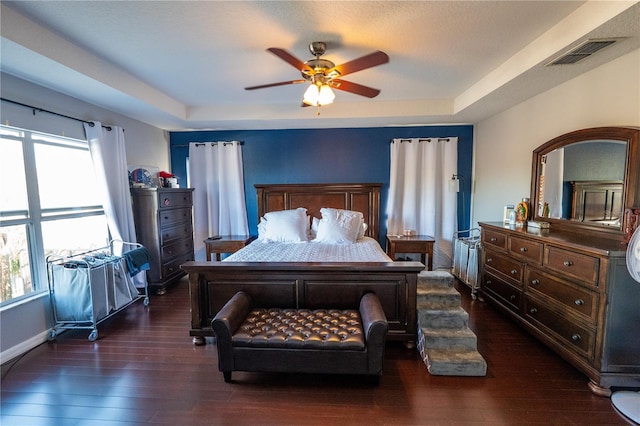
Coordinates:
(422,244)
(226,244)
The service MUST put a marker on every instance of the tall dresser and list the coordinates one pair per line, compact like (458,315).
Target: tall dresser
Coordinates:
(164,225)
(573,292)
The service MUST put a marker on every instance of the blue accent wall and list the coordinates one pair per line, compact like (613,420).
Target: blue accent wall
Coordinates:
(349,155)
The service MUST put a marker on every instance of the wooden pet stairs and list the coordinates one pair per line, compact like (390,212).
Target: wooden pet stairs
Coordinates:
(445,342)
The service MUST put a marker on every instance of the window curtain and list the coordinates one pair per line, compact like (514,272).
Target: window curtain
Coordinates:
(216,174)
(107,148)
(420,198)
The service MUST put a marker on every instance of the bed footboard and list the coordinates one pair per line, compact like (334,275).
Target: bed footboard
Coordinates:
(305,285)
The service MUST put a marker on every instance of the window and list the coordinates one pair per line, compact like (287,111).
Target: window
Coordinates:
(48,205)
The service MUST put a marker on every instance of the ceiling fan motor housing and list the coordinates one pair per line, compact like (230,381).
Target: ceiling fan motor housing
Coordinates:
(319,66)
(319,73)
(317,48)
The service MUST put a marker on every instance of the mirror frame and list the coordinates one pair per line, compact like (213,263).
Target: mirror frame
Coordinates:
(631,185)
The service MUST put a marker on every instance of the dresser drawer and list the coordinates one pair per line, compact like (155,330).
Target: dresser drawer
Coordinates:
(176,233)
(494,238)
(510,268)
(575,336)
(174,199)
(172,268)
(573,297)
(174,216)
(528,250)
(575,265)
(178,248)
(509,295)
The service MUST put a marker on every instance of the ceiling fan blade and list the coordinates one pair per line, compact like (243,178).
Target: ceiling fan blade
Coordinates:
(282,83)
(358,89)
(359,64)
(289,58)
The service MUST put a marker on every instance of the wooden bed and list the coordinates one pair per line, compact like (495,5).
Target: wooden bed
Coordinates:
(309,284)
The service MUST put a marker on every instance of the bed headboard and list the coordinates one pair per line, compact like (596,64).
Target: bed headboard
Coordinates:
(362,197)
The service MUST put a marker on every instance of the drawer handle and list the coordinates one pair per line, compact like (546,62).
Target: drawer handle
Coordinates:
(523,249)
(170,251)
(512,297)
(568,263)
(533,311)
(489,282)
(514,271)
(489,260)
(535,282)
(579,302)
(576,337)
(493,239)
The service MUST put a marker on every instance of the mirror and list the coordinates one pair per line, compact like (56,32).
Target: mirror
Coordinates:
(587,179)
(583,182)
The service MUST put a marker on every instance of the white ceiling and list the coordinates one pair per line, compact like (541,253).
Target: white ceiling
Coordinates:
(184,64)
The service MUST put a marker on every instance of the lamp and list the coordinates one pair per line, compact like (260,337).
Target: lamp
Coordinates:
(454,183)
(318,94)
(454,186)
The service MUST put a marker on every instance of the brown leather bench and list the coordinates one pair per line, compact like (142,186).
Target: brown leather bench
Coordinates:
(322,341)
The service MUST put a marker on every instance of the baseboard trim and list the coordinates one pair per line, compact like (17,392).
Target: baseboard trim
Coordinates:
(23,347)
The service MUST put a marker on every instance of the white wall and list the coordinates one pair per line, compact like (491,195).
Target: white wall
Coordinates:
(145,144)
(25,325)
(606,96)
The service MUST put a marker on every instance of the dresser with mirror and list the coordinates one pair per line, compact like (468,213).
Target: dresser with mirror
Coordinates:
(567,284)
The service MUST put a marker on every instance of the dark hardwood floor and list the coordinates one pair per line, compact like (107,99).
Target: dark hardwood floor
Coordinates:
(144,369)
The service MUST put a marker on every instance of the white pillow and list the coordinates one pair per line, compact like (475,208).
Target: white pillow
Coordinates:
(287,226)
(339,226)
(313,231)
(363,229)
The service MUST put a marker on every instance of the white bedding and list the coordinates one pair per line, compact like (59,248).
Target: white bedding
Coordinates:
(365,249)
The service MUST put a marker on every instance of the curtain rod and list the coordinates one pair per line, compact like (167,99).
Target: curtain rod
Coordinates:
(204,143)
(423,140)
(36,109)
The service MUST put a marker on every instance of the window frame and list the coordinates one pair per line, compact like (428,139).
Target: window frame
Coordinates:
(35,214)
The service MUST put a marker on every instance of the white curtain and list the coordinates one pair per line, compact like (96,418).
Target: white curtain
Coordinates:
(107,148)
(216,174)
(420,198)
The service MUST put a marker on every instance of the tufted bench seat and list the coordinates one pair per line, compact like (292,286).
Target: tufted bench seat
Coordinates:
(328,341)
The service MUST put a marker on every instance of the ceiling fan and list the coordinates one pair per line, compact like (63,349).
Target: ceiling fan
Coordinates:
(323,75)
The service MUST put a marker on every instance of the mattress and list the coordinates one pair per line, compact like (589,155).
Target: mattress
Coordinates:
(364,250)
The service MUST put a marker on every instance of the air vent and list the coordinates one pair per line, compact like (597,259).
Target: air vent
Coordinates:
(582,51)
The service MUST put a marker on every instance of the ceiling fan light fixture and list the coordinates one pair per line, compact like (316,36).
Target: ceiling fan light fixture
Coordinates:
(318,95)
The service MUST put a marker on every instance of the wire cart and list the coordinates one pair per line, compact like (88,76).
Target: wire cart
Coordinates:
(89,287)
(466,249)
